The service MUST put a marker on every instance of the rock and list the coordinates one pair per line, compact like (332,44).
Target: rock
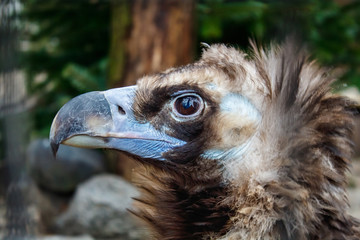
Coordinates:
(354,94)
(354,189)
(100,208)
(41,206)
(72,166)
(59,237)
(354,200)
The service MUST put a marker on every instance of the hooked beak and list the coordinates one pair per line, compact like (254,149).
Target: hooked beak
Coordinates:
(106,120)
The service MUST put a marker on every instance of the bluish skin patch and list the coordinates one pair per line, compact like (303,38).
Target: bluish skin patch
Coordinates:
(238,104)
(234,104)
(217,154)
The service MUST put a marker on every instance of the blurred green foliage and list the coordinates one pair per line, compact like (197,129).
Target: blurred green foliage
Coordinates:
(69,40)
(67,53)
(331,30)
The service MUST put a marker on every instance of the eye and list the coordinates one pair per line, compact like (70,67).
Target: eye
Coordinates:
(188,105)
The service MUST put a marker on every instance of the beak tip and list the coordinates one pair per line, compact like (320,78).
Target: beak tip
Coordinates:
(54,148)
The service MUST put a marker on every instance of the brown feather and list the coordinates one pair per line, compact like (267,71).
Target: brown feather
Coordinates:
(288,183)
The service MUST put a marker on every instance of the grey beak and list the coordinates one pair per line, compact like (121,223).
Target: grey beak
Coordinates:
(75,117)
(106,120)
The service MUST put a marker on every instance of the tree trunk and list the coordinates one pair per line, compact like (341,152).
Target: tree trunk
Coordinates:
(160,36)
(120,26)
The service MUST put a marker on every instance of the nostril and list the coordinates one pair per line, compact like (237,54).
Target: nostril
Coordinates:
(121,110)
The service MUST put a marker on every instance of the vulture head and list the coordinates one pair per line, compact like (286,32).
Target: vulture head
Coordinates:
(234,146)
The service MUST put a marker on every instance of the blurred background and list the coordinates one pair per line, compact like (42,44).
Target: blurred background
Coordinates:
(53,50)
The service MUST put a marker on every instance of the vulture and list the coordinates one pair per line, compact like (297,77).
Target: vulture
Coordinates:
(238,145)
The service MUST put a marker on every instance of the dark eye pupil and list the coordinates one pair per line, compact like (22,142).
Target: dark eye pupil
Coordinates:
(187,105)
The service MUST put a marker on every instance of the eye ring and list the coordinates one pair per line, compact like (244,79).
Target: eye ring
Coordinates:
(187,106)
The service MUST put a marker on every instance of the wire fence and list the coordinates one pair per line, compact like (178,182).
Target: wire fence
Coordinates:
(15,222)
